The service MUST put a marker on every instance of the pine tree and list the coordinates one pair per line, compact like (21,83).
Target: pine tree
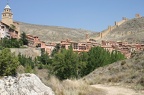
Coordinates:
(8,63)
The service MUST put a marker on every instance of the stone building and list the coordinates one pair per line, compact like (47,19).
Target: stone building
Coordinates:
(9,28)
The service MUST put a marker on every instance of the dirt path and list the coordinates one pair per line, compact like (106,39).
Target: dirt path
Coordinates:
(115,90)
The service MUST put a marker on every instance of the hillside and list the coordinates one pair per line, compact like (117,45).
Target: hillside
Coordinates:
(129,72)
(131,31)
(54,33)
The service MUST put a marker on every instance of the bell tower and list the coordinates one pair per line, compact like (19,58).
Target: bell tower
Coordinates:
(7,16)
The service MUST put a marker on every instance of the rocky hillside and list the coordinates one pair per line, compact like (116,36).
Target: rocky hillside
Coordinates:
(132,31)
(129,72)
(24,84)
(54,33)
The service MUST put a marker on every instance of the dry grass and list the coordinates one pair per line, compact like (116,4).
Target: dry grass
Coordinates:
(67,87)
(72,87)
(128,72)
(55,33)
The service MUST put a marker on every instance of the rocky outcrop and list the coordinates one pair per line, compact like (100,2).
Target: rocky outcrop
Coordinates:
(24,84)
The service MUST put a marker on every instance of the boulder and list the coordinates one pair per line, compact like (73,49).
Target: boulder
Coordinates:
(23,84)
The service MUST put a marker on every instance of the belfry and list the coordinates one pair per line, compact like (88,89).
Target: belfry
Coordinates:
(8,28)
(7,16)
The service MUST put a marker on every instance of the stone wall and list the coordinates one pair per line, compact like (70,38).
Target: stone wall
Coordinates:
(110,28)
(29,52)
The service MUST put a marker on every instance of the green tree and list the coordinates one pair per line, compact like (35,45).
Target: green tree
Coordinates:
(56,50)
(94,59)
(8,62)
(99,57)
(44,58)
(66,64)
(83,62)
(69,64)
(10,43)
(24,38)
(26,61)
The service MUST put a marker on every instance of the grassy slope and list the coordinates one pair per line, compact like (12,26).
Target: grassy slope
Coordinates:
(128,72)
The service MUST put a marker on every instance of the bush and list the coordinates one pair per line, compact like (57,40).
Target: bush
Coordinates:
(8,63)
(28,69)
(40,66)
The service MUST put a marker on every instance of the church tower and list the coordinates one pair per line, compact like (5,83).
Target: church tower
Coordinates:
(8,27)
(7,16)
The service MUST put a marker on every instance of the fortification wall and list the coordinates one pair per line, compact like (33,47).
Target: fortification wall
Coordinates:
(99,37)
(121,22)
(110,28)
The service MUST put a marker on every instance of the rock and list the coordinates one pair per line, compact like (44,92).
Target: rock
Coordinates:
(23,84)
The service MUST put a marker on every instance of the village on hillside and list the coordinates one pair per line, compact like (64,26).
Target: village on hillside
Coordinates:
(11,29)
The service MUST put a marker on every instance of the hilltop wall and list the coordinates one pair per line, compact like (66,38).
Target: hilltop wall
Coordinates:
(117,24)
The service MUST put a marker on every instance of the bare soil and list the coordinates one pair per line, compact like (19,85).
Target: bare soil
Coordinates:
(116,90)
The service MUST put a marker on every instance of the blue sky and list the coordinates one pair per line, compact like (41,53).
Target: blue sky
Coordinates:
(93,15)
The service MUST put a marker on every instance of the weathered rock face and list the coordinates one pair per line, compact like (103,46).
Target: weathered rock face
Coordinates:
(24,84)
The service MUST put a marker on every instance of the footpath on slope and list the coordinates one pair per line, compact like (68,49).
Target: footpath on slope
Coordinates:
(116,90)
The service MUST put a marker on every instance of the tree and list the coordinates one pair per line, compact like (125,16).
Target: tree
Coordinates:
(44,58)
(99,57)
(66,64)
(94,59)
(10,43)
(26,61)
(69,64)
(8,63)
(83,62)
(56,50)
(24,38)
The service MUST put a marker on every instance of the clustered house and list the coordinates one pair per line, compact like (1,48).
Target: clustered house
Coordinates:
(78,46)
(123,47)
(8,28)
(34,41)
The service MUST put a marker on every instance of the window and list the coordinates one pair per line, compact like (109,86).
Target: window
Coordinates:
(82,48)
(75,46)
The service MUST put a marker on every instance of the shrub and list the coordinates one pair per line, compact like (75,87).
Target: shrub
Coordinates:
(8,63)
(40,66)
